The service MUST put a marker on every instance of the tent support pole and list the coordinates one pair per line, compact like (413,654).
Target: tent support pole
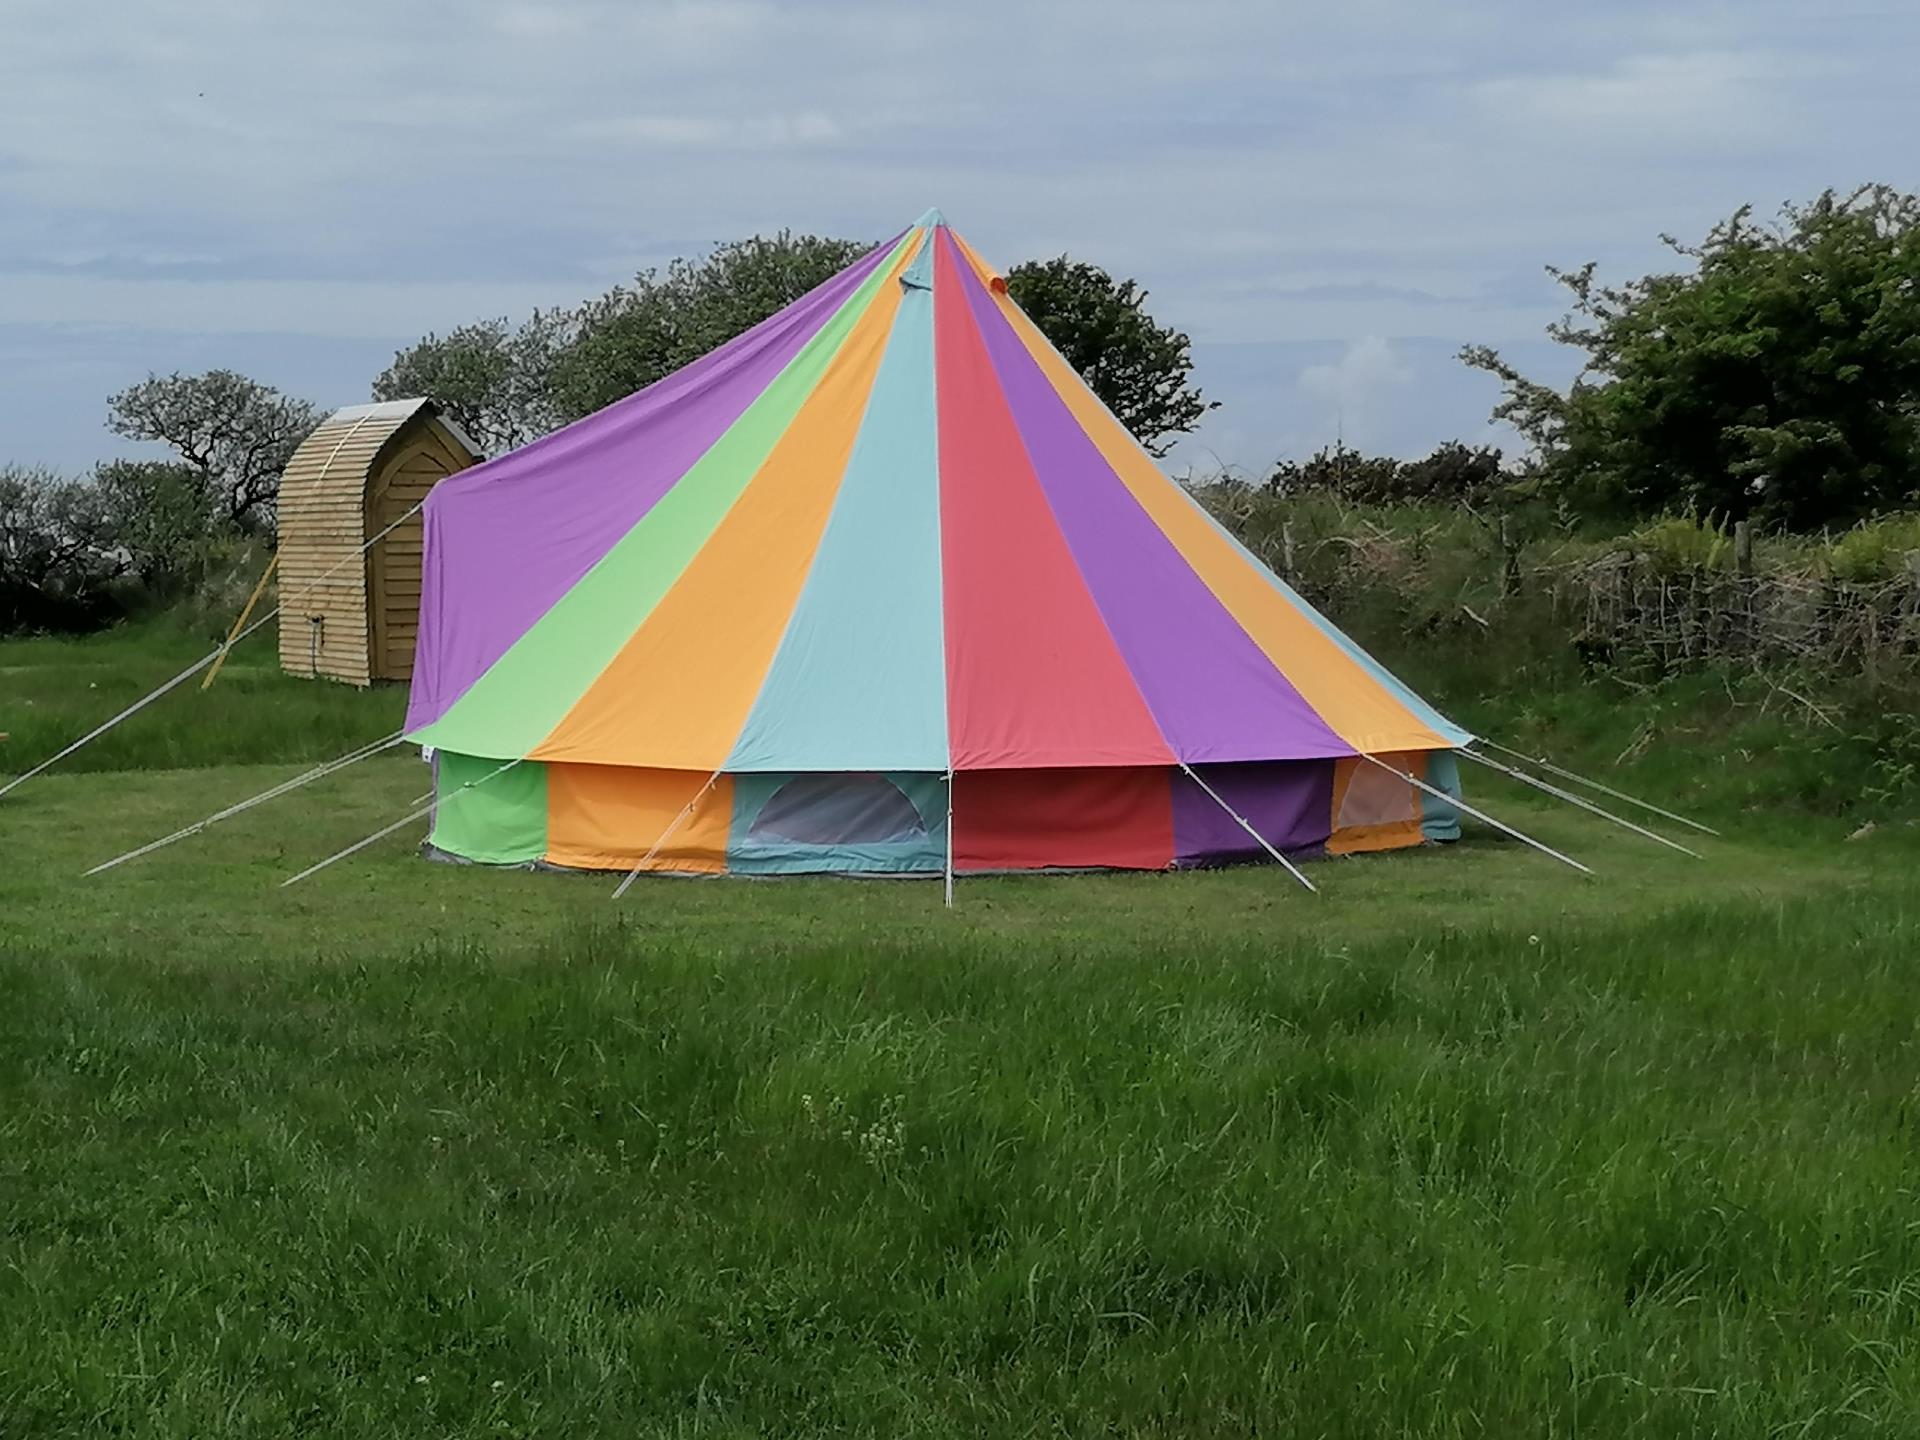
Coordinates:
(382,834)
(285,787)
(665,835)
(949,865)
(1572,799)
(1242,822)
(1566,774)
(1459,804)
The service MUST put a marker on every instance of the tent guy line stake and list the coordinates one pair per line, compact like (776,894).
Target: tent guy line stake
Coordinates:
(1457,803)
(665,835)
(1566,774)
(1572,799)
(1241,821)
(318,772)
(382,834)
(206,660)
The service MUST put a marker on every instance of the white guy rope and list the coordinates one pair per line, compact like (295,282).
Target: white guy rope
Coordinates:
(97,732)
(202,663)
(1566,774)
(665,835)
(1242,822)
(318,772)
(1459,804)
(1572,799)
(382,834)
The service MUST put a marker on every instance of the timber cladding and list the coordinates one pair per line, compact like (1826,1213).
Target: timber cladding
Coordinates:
(346,615)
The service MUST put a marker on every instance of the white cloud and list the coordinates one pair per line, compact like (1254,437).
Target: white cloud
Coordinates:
(1714,96)
(806,127)
(1356,391)
(1272,174)
(320,308)
(535,22)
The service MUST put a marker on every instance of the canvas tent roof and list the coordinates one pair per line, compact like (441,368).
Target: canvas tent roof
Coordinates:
(888,528)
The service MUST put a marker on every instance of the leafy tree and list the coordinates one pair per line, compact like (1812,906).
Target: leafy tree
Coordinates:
(161,515)
(1454,474)
(1138,367)
(237,433)
(492,379)
(57,552)
(1339,471)
(1778,377)
(506,385)
(635,334)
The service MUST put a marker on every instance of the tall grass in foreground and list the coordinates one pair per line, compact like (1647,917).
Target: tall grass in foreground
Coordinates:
(1460,1146)
(1648,1176)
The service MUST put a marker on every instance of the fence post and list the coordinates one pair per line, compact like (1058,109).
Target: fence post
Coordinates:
(1286,550)
(1509,562)
(1742,548)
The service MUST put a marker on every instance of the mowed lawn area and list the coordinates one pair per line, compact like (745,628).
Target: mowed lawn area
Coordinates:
(1464,1145)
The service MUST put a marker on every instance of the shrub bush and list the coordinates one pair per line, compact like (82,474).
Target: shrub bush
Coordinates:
(134,537)
(59,562)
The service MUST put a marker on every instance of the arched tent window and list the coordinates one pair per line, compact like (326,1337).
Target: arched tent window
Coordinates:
(838,810)
(846,823)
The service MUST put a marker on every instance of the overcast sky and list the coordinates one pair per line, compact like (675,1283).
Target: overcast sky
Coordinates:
(1330,198)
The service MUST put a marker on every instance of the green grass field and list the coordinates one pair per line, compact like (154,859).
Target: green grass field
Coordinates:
(1465,1145)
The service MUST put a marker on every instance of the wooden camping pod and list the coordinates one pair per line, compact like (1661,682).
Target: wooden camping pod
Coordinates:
(346,616)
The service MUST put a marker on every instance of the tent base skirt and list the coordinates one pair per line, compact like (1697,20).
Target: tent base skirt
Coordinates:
(1245,862)
(894,824)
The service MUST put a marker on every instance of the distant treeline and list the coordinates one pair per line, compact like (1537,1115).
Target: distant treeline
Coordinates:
(1772,380)
(77,553)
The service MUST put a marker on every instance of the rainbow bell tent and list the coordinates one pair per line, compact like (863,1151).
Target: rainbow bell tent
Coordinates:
(880,587)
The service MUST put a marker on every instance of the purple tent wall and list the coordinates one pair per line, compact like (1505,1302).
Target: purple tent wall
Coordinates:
(530,524)
(1290,802)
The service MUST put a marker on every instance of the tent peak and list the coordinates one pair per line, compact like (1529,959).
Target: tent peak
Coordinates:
(932,220)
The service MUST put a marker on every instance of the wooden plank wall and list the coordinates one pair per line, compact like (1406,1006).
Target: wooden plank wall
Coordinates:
(425,458)
(345,484)
(322,519)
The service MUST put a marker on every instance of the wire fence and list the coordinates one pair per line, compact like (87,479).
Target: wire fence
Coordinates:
(1627,606)
(1812,621)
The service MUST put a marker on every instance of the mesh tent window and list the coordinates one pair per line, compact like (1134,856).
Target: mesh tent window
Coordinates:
(1375,797)
(838,810)
(851,822)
